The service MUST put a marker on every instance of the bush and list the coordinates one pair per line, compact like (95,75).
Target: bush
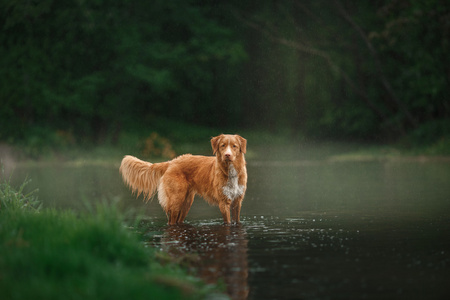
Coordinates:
(11,198)
(430,133)
(157,146)
(431,138)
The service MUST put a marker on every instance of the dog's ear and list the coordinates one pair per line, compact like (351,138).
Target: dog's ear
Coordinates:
(243,143)
(215,143)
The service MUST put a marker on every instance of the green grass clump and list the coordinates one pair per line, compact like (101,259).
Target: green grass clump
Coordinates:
(54,254)
(12,198)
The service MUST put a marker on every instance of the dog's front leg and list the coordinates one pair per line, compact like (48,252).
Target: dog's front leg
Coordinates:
(236,209)
(224,207)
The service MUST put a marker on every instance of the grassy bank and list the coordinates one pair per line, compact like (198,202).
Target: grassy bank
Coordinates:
(49,254)
(165,139)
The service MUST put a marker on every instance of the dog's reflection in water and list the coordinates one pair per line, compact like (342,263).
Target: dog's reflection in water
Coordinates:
(219,252)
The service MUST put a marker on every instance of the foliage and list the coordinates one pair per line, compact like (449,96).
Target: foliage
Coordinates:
(54,254)
(156,146)
(431,138)
(91,68)
(16,199)
(360,69)
(86,72)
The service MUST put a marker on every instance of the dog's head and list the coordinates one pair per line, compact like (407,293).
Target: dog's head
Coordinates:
(228,147)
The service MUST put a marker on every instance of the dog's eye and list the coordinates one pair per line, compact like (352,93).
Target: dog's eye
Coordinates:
(223,145)
(234,146)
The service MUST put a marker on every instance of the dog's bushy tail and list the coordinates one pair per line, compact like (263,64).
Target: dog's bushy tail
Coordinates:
(141,176)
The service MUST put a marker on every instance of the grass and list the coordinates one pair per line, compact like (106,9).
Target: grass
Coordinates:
(150,142)
(50,254)
(12,199)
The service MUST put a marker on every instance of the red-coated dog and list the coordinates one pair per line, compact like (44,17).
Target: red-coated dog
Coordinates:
(221,179)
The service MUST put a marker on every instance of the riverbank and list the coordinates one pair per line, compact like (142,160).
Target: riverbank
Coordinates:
(53,254)
(158,148)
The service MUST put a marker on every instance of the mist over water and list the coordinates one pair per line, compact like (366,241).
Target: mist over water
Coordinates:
(312,227)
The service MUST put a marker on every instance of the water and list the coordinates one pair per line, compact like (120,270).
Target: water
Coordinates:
(311,229)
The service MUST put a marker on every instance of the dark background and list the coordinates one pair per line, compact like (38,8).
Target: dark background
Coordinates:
(79,72)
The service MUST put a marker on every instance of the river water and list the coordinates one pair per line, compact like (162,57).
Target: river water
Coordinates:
(311,228)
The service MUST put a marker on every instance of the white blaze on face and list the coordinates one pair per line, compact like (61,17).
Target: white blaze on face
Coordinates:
(228,152)
(232,189)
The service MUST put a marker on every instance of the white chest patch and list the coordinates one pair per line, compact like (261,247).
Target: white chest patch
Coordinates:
(232,189)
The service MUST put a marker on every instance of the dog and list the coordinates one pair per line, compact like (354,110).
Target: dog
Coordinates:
(221,179)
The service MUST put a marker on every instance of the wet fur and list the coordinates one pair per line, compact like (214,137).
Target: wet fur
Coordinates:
(221,179)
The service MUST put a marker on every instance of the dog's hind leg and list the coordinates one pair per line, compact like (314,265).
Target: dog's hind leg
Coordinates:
(186,207)
(175,210)
(173,193)
(174,216)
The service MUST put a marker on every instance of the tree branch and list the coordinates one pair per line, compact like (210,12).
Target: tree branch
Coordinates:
(378,65)
(315,52)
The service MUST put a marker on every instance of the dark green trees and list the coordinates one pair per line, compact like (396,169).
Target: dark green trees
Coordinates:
(73,70)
